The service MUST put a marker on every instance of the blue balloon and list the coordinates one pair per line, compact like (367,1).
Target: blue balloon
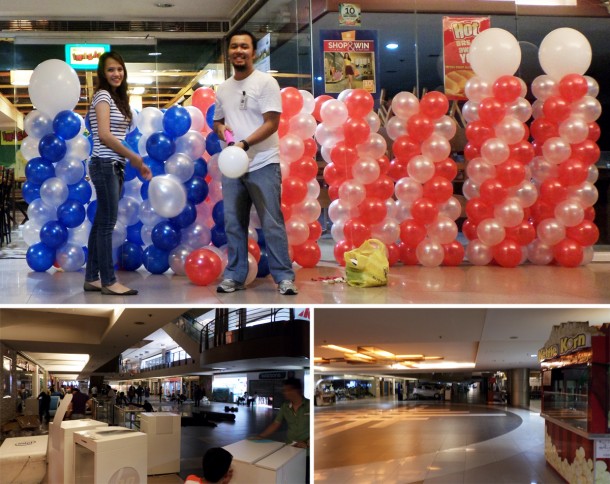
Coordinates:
(176,121)
(30,191)
(81,191)
(130,172)
(165,236)
(130,256)
(86,251)
(196,190)
(160,146)
(218,213)
(219,237)
(88,122)
(90,139)
(186,217)
(212,144)
(261,239)
(263,266)
(53,234)
(52,147)
(134,233)
(38,170)
(40,257)
(201,167)
(66,124)
(91,209)
(209,116)
(144,190)
(71,213)
(132,139)
(156,260)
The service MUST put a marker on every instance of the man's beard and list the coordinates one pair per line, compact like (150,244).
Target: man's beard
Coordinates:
(240,68)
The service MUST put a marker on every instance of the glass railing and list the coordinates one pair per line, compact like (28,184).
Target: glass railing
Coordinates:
(570,408)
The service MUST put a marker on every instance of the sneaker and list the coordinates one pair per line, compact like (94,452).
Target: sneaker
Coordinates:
(287,288)
(229,285)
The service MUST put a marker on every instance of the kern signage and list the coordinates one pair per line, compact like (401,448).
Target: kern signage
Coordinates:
(567,338)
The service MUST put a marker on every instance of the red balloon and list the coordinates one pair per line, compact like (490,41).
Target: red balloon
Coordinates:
(254,249)
(585,233)
(477,210)
(294,190)
(203,98)
(382,188)
(332,175)
(398,169)
(507,253)
(594,131)
(522,151)
(471,151)
(454,254)
(438,189)
(284,127)
(311,148)
(343,155)
(408,255)
(202,267)
(507,89)
(305,169)
(315,230)
(384,164)
(469,229)
(587,151)
(318,105)
(286,211)
(510,173)
(572,172)
(523,234)
(356,231)
(307,254)
(434,104)
(542,210)
(537,146)
(412,232)
(553,191)
(543,129)
(447,169)
(419,127)
(372,211)
(359,103)
(340,249)
(568,253)
(478,132)
(424,211)
(405,148)
(292,101)
(491,111)
(590,214)
(333,192)
(356,131)
(393,254)
(572,87)
(556,109)
(492,191)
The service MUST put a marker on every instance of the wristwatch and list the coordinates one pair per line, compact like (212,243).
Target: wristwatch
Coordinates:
(246,144)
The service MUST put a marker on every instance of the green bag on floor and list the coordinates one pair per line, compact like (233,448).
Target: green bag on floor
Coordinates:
(367,266)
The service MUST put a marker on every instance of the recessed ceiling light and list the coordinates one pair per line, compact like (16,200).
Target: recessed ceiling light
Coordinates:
(391,46)
(319,78)
(154,53)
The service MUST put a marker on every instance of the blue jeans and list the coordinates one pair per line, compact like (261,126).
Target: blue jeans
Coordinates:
(107,178)
(262,188)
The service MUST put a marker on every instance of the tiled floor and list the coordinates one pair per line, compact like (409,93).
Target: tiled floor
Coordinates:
(385,441)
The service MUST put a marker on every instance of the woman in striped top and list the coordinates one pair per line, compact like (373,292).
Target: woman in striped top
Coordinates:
(110,117)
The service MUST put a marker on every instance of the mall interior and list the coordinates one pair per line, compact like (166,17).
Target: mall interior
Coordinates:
(172,49)
(213,377)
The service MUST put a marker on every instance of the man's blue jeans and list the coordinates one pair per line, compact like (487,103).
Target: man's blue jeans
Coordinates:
(262,188)
(107,178)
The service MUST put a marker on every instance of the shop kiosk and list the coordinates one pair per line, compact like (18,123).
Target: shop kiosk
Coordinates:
(575,401)
(24,459)
(112,455)
(162,430)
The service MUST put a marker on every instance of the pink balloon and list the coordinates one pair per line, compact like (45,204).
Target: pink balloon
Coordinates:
(478,253)
(542,169)
(328,136)
(443,230)
(555,150)
(539,253)
(351,194)
(569,212)
(574,129)
(470,189)
(588,107)
(339,211)
(476,89)
(421,168)
(490,232)
(436,148)
(396,127)
(495,151)
(551,231)
(308,210)
(510,130)
(470,111)
(521,109)
(374,146)
(586,194)
(291,148)
(430,253)
(408,190)
(333,113)
(303,125)
(509,213)
(387,231)
(366,170)
(445,126)
(252,270)
(405,105)
(451,208)
(526,193)
(297,231)
(372,119)
(544,87)
(478,170)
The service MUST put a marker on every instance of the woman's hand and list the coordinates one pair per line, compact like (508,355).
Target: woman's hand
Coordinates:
(145,172)
(138,162)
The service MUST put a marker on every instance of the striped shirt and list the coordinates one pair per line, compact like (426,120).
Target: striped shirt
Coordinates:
(118,126)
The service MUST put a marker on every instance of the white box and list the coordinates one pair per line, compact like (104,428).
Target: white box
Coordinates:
(163,432)
(286,466)
(246,453)
(24,459)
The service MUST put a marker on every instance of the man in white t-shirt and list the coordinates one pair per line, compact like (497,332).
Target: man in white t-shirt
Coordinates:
(249,105)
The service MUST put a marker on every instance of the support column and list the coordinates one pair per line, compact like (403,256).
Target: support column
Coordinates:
(519,387)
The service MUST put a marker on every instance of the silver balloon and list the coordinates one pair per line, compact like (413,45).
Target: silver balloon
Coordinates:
(70,257)
(37,124)
(167,195)
(177,258)
(191,144)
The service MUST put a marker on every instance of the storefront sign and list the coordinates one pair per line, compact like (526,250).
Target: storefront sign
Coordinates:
(349,14)
(567,338)
(349,60)
(85,56)
(272,375)
(458,34)
(12,137)
(602,449)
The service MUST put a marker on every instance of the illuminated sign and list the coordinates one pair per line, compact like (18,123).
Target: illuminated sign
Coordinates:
(85,56)
(567,344)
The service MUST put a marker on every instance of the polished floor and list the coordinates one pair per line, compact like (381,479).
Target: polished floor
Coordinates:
(385,441)
(465,284)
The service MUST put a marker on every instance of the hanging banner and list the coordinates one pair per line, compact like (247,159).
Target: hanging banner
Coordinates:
(350,60)
(12,137)
(349,14)
(262,56)
(458,34)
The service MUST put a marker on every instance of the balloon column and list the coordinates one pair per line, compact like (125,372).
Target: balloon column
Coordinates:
(356,169)
(56,189)
(300,188)
(423,171)
(565,134)
(498,189)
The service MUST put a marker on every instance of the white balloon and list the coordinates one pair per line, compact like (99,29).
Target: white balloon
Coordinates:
(494,53)
(78,147)
(129,209)
(150,120)
(181,166)
(167,195)
(29,148)
(70,170)
(564,51)
(80,235)
(31,233)
(197,119)
(54,191)
(118,235)
(177,258)
(54,87)
(309,102)
(233,162)
(191,144)
(37,124)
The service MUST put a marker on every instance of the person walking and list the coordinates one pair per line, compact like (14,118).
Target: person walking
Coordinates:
(249,105)
(110,117)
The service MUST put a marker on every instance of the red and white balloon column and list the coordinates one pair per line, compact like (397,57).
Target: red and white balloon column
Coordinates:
(498,188)
(565,133)
(423,171)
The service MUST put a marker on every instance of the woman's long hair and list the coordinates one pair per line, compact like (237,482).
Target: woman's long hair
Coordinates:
(120,97)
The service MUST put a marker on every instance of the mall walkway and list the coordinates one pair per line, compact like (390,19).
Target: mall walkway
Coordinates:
(386,441)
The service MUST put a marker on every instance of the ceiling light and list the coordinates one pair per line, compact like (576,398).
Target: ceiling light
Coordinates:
(391,46)
(319,78)
(409,357)
(534,356)
(21,77)
(136,79)
(154,53)
(339,348)
(433,357)
(444,365)
(371,350)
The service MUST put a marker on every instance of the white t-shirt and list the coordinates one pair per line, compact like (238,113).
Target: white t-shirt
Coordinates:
(242,104)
